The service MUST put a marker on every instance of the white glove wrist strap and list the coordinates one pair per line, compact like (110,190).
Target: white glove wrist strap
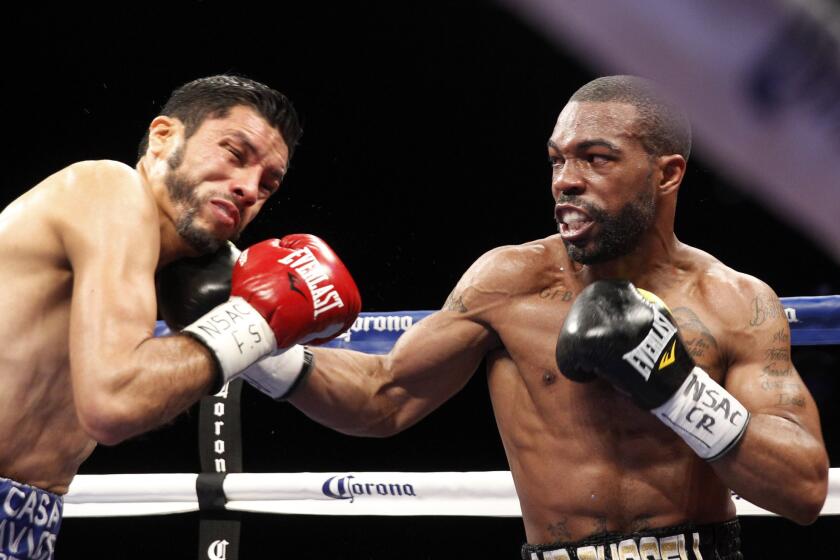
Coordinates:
(279,374)
(705,415)
(236,333)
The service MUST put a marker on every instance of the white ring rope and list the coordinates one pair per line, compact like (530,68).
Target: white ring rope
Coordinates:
(482,494)
(813,320)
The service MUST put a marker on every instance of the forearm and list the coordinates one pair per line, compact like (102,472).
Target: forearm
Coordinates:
(347,392)
(145,389)
(780,466)
(373,395)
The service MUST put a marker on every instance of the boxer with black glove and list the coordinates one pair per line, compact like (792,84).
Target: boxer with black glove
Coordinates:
(188,288)
(284,293)
(628,337)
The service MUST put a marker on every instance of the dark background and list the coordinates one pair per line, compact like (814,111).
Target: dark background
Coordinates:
(424,146)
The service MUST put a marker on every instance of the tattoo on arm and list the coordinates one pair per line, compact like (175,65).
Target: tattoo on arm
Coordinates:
(797,400)
(765,309)
(778,354)
(777,370)
(774,369)
(777,362)
(455,303)
(699,342)
(771,384)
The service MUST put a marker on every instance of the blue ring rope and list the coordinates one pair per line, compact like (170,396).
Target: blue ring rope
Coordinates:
(813,321)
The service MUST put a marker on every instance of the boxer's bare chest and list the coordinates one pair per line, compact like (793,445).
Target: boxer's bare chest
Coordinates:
(529,325)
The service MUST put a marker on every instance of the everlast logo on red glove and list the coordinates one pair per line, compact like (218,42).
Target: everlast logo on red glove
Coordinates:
(330,299)
(269,313)
(324,297)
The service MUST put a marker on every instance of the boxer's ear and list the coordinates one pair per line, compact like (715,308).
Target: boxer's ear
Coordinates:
(671,173)
(165,134)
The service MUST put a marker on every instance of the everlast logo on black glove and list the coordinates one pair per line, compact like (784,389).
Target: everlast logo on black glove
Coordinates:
(651,351)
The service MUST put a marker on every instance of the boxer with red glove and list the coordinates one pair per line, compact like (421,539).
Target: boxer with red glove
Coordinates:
(284,292)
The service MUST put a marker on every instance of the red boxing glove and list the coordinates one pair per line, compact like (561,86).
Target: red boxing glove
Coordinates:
(284,292)
(300,286)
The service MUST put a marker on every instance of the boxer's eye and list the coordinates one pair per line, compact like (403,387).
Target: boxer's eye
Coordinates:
(237,155)
(599,158)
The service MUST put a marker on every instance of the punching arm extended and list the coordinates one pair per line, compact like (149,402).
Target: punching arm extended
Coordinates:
(371,395)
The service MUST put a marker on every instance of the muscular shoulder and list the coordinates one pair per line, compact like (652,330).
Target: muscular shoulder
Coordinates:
(740,302)
(507,271)
(108,178)
(723,314)
(91,202)
(96,188)
(735,295)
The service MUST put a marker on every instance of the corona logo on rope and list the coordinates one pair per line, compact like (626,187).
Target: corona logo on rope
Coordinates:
(348,487)
(378,323)
(217,550)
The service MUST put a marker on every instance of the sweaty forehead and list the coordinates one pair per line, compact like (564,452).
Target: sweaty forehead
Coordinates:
(586,121)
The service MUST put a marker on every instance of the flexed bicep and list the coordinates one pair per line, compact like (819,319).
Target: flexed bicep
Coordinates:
(762,373)
(781,463)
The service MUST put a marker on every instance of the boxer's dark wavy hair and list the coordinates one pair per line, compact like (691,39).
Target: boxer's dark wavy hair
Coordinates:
(214,96)
(663,127)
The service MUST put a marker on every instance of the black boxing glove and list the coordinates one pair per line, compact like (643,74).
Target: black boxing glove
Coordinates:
(628,337)
(189,288)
